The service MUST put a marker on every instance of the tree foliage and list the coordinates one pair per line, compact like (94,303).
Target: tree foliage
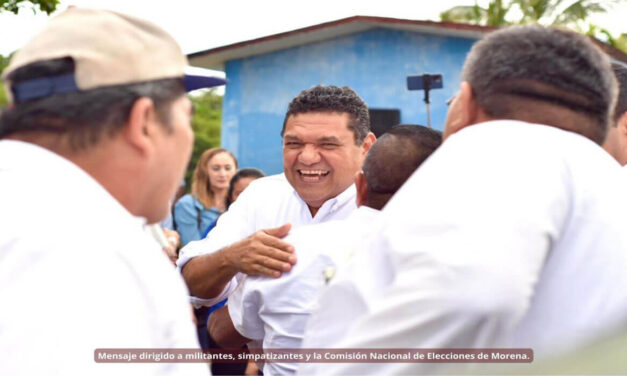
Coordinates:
(569,13)
(618,42)
(546,12)
(14,6)
(206,126)
(493,15)
(4,62)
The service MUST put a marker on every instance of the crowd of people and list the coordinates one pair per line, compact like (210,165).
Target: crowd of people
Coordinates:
(506,230)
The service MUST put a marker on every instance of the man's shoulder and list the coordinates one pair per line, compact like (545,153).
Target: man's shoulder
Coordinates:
(313,238)
(103,241)
(519,134)
(517,147)
(335,231)
(328,240)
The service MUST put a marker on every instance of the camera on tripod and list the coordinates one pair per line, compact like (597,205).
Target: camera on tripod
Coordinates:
(425,82)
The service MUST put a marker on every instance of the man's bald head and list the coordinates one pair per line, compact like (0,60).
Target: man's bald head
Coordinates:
(393,158)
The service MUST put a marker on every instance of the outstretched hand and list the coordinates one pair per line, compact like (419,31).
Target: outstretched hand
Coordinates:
(263,253)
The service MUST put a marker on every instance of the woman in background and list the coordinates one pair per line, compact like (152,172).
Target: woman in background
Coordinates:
(195,211)
(238,183)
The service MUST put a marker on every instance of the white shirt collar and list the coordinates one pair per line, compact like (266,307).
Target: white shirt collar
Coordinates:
(333,204)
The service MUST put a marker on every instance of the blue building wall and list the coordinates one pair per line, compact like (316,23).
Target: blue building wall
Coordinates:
(374,63)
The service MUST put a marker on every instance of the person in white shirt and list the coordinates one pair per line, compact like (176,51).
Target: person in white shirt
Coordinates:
(616,140)
(326,135)
(274,312)
(93,145)
(513,233)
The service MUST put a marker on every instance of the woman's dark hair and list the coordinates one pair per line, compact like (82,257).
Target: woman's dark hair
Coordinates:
(243,173)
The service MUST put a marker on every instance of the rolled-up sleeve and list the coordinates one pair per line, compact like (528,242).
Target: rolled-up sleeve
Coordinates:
(233,226)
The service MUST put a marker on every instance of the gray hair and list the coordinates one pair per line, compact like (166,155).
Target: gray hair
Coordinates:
(513,68)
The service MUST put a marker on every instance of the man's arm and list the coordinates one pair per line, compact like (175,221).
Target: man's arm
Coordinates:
(222,330)
(263,253)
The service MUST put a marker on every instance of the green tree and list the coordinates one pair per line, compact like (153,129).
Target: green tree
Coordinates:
(493,15)
(4,62)
(551,12)
(206,126)
(546,12)
(14,6)
(602,34)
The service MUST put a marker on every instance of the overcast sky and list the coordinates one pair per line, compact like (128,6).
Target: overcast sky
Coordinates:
(203,24)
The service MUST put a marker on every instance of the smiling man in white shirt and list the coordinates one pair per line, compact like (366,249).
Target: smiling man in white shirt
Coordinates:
(275,312)
(513,233)
(326,135)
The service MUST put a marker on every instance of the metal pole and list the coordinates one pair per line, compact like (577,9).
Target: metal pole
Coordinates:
(428,116)
(427,87)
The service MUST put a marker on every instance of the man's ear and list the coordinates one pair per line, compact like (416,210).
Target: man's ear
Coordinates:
(463,111)
(139,125)
(621,139)
(621,124)
(362,188)
(369,140)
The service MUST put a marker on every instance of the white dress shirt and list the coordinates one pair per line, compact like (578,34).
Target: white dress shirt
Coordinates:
(274,311)
(78,272)
(266,203)
(510,235)
(349,295)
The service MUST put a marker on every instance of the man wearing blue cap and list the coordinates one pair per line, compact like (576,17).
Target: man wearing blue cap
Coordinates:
(94,143)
